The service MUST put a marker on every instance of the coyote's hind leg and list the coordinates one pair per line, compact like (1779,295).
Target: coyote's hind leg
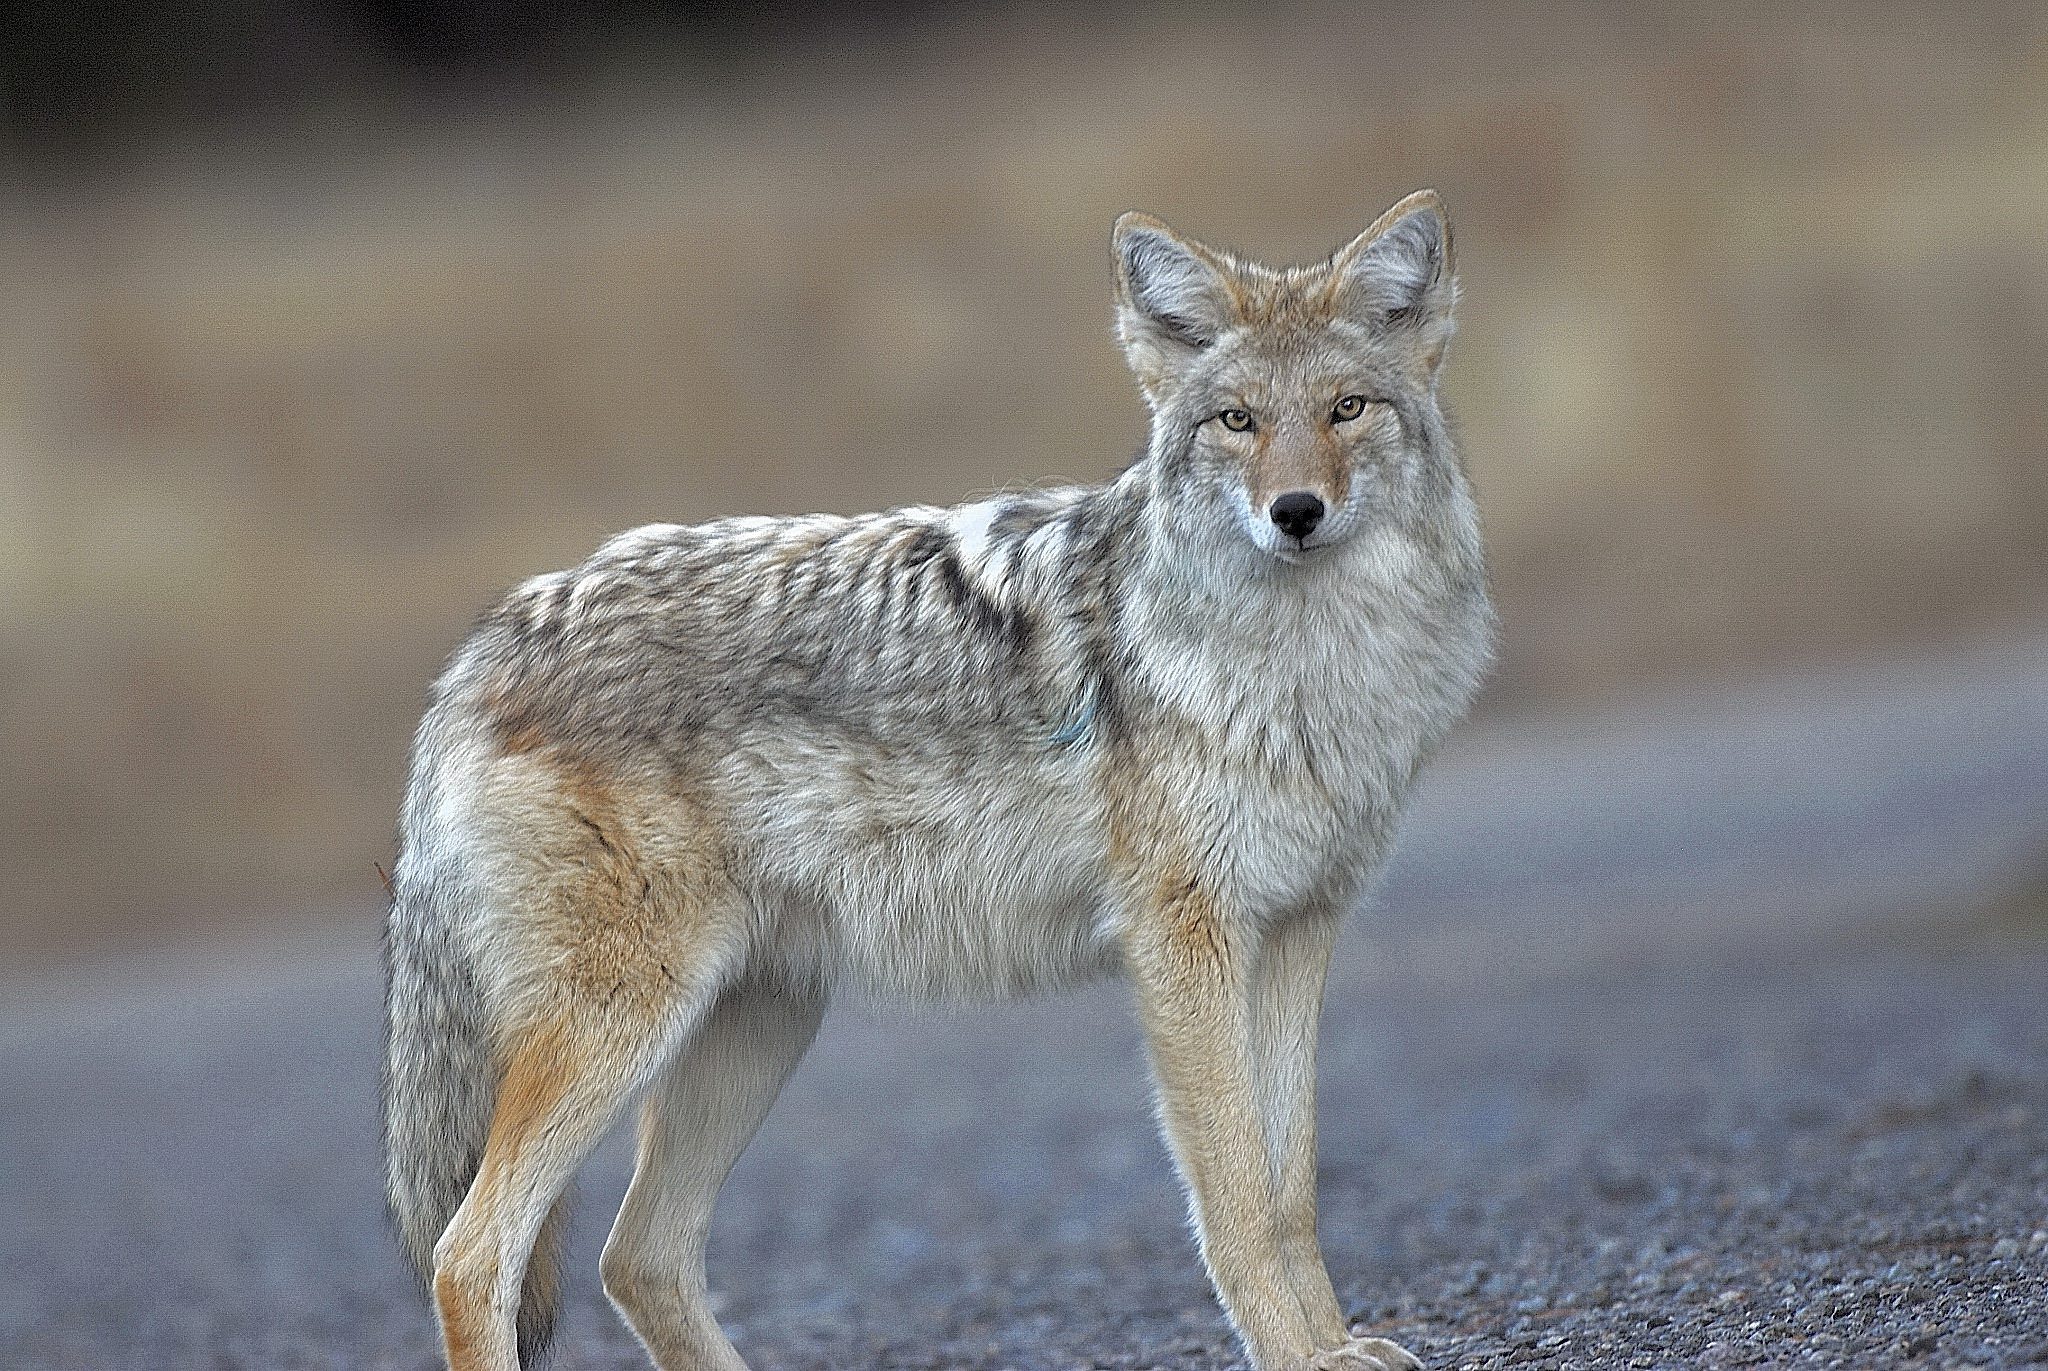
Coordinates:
(564,1082)
(619,943)
(699,1117)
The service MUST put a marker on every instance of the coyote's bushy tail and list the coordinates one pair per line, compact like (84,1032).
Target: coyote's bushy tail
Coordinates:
(440,1084)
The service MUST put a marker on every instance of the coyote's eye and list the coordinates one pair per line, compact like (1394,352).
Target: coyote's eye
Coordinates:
(1348,408)
(1236,420)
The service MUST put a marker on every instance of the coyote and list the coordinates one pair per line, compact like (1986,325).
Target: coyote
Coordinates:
(664,806)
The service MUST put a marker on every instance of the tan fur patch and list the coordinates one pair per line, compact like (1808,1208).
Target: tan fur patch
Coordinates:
(539,1075)
(1313,461)
(1177,907)
(1192,922)
(512,722)
(465,1316)
(618,875)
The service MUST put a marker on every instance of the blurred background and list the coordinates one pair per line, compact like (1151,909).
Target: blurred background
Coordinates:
(326,320)
(1699,1019)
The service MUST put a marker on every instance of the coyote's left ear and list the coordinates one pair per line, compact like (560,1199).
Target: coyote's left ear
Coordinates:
(1397,276)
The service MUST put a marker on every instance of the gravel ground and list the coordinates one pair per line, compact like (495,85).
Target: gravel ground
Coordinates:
(1655,1052)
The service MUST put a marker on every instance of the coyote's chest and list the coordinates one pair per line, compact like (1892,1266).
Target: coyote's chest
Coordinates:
(1322,697)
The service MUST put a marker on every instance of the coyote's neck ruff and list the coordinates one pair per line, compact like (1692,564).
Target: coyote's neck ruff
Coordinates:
(668,802)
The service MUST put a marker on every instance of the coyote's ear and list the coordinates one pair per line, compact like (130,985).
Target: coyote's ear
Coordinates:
(1398,276)
(1173,297)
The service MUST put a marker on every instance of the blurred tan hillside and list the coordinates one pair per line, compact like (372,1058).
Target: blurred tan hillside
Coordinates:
(1755,321)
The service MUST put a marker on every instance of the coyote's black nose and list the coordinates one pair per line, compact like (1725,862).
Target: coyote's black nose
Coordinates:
(1297,513)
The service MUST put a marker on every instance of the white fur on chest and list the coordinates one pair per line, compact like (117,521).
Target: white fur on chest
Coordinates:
(1315,694)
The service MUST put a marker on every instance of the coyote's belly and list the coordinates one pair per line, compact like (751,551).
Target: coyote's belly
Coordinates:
(937,940)
(928,873)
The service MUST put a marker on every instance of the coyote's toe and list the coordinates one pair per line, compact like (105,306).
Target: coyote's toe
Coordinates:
(1366,1354)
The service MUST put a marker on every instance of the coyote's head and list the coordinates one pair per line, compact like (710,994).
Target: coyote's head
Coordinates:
(1299,401)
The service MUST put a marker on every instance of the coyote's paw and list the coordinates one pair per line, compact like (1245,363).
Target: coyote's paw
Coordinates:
(1366,1354)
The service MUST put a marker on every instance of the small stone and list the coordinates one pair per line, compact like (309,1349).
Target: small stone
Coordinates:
(2005,1248)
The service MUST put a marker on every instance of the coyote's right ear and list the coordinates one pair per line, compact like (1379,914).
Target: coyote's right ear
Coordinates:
(1174,297)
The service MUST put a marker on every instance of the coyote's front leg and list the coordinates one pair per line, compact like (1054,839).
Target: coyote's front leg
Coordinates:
(1287,1001)
(1193,971)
